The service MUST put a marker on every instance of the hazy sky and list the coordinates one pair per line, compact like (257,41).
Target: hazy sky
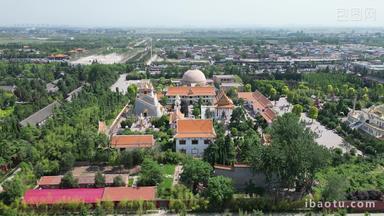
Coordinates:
(193,13)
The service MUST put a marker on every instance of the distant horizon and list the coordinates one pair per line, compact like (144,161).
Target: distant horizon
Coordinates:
(194,13)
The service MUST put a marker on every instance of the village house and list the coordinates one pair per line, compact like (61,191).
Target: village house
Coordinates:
(193,136)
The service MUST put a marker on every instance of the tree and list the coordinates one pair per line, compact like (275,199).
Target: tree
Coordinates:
(293,157)
(150,173)
(248,88)
(69,181)
(297,109)
(195,172)
(335,188)
(132,92)
(313,112)
(222,151)
(67,162)
(272,93)
(118,181)
(13,190)
(232,93)
(99,180)
(196,111)
(219,190)
(285,90)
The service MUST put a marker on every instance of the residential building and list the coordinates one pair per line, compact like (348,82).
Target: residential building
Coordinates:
(219,79)
(227,86)
(193,136)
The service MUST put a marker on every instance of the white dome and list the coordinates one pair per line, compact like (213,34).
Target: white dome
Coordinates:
(194,77)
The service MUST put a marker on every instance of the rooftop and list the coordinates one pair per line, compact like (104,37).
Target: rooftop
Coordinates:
(129,193)
(52,196)
(195,128)
(132,141)
(41,115)
(191,91)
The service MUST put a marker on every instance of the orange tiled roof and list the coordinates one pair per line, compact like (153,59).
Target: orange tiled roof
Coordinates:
(223,101)
(195,128)
(259,103)
(49,180)
(132,141)
(116,194)
(191,91)
(268,115)
(255,97)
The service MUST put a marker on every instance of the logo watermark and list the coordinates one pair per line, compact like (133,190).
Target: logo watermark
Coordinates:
(341,204)
(356,14)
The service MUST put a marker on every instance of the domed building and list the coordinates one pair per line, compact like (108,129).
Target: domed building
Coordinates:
(194,78)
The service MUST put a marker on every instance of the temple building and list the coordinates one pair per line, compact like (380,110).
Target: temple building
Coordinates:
(221,110)
(191,94)
(259,104)
(193,136)
(194,78)
(147,102)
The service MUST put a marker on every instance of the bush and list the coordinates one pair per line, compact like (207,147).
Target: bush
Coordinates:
(118,181)
(176,205)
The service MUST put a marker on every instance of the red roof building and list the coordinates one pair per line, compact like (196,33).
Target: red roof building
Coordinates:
(49,182)
(53,196)
(195,128)
(116,194)
(260,104)
(88,195)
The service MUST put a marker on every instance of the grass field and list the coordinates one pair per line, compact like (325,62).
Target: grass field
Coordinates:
(168,171)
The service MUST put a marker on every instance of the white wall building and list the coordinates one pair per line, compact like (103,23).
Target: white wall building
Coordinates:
(370,120)
(193,136)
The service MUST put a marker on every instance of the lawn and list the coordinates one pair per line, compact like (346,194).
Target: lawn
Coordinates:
(168,171)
